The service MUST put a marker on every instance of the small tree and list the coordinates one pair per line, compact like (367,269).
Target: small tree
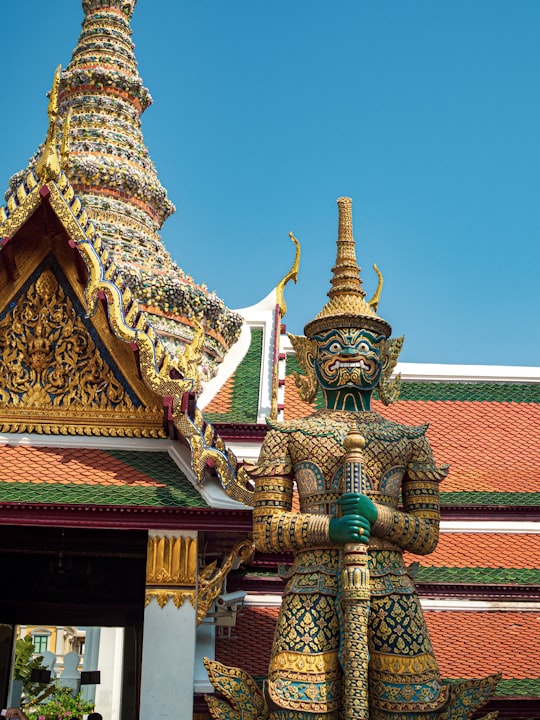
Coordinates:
(25,662)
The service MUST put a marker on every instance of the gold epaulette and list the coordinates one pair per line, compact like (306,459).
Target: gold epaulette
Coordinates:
(418,471)
(267,469)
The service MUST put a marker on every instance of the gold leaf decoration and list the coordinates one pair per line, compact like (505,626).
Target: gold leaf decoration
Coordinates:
(48,358)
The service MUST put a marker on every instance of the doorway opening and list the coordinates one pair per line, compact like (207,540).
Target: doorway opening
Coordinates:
(80,590)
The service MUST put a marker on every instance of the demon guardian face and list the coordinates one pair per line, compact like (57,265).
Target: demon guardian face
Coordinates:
(347,358)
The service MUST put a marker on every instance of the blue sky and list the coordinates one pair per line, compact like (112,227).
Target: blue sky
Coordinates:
(426,113)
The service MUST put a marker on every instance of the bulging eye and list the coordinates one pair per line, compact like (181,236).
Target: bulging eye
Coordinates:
(364,347)
(335,347)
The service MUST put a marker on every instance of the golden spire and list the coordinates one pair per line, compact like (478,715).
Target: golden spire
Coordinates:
(347,306)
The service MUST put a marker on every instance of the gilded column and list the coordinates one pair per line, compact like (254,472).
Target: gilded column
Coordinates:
(170,621)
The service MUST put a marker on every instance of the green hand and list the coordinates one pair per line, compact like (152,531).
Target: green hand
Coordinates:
(349,529)
(358,504)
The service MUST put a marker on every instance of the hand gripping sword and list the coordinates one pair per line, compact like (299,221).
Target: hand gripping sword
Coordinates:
(355,594)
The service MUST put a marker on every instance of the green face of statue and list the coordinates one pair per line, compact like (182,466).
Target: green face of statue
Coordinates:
(348,367)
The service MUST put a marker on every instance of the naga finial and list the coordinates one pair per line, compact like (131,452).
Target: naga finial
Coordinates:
(282,309)
(48,164)
(374,302)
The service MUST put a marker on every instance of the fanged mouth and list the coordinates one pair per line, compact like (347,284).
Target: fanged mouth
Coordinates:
(349,364)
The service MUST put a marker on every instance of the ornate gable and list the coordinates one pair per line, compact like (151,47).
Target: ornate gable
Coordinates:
(62,372)
(58,376)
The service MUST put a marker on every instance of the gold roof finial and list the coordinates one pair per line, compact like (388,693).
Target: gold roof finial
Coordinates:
(347,306)
(282,309)
(48,164)
(291,275)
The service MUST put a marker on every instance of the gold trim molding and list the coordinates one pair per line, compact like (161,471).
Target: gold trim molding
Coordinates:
(171,561)
(162,597)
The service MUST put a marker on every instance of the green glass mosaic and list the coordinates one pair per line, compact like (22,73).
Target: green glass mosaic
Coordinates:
(478,575)
(525,687)
(246,383)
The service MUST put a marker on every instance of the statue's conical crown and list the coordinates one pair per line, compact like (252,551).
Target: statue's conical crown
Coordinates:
(347,306)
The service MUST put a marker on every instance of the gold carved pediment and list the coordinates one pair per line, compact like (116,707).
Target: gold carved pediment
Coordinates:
(55,376)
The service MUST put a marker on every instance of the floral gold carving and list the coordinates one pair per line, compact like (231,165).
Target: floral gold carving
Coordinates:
(53,372)
(162,597)
(211,579)
(45,346)
(171,570)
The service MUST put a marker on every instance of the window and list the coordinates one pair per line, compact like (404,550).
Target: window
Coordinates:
(40,643)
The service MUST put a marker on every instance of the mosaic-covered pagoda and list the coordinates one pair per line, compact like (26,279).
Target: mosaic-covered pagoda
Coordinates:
(101,98)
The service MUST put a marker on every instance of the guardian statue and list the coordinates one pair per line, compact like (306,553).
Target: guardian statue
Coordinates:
(351,642)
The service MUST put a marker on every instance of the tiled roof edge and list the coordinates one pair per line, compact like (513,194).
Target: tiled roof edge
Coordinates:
(468,373)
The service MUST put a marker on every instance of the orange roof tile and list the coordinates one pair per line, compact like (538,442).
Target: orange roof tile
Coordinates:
(222,402)
(90,476)
(251,640)
(67,466)
(489,446)
(473,644)
(467,644)
(483,550)
(294,407)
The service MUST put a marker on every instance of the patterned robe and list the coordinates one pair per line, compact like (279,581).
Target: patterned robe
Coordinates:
(305,674)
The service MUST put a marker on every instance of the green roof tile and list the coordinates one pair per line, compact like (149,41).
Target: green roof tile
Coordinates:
(246,382)
(523,687)
(138,478)
(157,465)
(470,391)
(95,494)
(478,575)
(457,499)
